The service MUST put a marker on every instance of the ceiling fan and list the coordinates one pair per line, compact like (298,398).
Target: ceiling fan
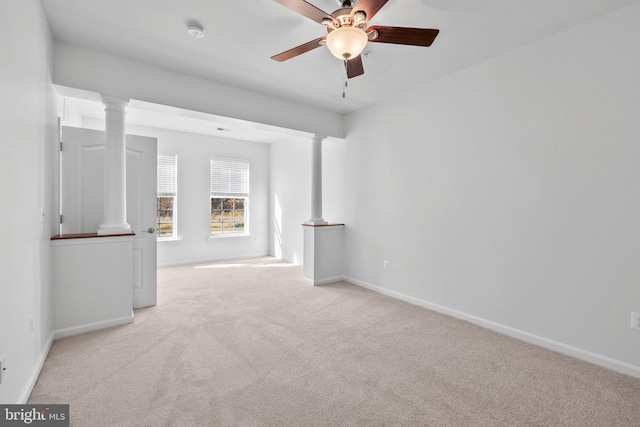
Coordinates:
(347,32)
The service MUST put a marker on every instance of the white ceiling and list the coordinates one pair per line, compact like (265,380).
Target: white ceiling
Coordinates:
(241,37)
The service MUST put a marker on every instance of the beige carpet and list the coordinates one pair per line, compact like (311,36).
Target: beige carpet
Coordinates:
(246,343)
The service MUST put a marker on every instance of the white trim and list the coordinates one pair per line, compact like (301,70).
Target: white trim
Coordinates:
(93,240)
(35,373)
(321,282)
(204,261)
(226,236)
(168,239)
(578,353)
(312,222)
(88,327)
(322,226)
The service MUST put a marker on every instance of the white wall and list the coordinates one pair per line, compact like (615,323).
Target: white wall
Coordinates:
(27,141)
(194,151)
(290,197)
(509,191)
(290,194)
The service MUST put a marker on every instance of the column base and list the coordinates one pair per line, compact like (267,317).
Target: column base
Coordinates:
(316,222)
(114,228)
(322,257)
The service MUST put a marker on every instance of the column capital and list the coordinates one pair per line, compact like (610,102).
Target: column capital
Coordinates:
(318,138)
(114,102)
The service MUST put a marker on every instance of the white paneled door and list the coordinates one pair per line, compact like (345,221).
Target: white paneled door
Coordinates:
(82,198)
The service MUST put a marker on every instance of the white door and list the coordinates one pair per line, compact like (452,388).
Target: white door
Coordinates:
(82,198)
(142,192)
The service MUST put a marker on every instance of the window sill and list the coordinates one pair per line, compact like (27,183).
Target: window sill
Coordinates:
(226,236)
(169,239)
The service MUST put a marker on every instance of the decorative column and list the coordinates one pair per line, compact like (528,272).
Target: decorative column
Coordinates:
(115,168)
(322,257)
(316,181)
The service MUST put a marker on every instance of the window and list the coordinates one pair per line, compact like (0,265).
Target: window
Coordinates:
(229,183)
(167,194)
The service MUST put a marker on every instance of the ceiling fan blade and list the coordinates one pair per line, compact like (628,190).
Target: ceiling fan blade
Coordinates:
(370,7)
(354,67)
(403,35)
(305,9)
(298,50)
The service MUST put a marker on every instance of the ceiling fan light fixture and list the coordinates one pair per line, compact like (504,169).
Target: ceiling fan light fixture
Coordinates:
(346,42)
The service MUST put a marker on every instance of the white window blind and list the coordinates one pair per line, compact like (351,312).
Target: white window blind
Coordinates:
(229,177)
(167,175)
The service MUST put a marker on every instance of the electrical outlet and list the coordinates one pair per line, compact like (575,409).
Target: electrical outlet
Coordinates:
(386,264)
(635,321)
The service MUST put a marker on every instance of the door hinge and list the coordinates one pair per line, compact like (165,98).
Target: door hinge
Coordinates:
(60,129)
(60,145)
(60,218)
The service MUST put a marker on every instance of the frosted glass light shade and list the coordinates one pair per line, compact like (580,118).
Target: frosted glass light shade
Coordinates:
(346,42)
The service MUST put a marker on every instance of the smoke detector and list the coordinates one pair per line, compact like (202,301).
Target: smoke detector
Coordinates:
(195,31)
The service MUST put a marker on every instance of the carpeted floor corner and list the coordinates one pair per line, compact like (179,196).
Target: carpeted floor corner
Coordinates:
(247,343)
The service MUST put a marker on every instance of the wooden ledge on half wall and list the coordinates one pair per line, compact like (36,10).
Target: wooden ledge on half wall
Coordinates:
(331,224)
(87,235)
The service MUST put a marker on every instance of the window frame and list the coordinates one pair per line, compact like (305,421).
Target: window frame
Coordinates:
(165,189)
(235,187)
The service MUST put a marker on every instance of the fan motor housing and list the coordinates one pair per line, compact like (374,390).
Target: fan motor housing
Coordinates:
(343,18)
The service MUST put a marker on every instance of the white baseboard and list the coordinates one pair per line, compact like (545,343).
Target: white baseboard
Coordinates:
(323,281)
(81,329)
(578,353)
(35,373)
(206,260)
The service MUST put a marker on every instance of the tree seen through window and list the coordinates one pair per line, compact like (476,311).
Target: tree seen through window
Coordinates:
(227,215)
